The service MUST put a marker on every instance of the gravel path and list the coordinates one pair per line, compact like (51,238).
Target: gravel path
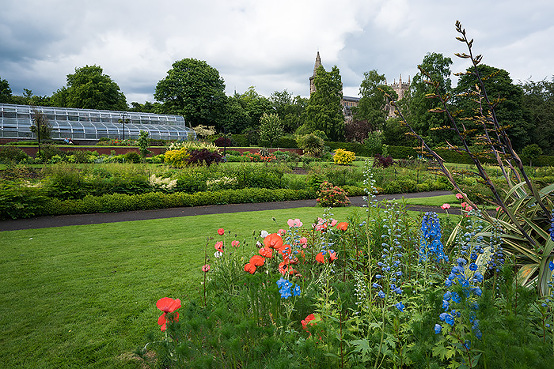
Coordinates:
(98,218)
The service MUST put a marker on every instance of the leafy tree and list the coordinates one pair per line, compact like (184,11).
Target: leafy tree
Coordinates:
(236,118)
(507,99)
(531,152)
(5,91)
(29,98)
(434,67)
(255,106)
(143,143)
(289,109)
(271,128)
(89,88)
(372,105)
(193,89)
(538,104)
(147,107)
(324,109)
(41,128)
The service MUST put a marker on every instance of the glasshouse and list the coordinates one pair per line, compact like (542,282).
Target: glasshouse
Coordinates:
(89,124)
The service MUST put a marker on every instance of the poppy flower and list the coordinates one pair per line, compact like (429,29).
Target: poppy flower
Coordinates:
(167,305)
(221,231)
(320,258)
(235,243)
(266,252)
(206,268)
(273,240)
(308,319)
(283,267)
(332,255)
(281,232)
(219,246)
(257,260)
(342,226)
(459,196)
(250,268)
(445,206)
(294,223)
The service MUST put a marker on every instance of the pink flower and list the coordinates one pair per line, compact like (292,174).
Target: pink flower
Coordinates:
(445,206)
(469,208)
(459,196)
(221,231)
(206,268)
(219,246)
(498,208)
(303,241)
(235,243)
(294,223)
(282,232)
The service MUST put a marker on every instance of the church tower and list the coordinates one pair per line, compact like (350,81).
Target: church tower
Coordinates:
(312,78)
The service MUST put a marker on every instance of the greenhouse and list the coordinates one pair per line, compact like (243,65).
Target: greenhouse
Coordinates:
(89,124)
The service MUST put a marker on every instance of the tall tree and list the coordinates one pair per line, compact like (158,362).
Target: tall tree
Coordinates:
(271,128)
(193,89)
(289,109)
(434,67)
(324,109)
(90,88)
(538,104)
(5,91)
(373,101)
(507,97)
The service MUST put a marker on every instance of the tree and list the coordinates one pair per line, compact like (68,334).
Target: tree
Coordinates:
(41,127)
(5,91)
(324,109)
(236,118)
(271,128)
(538,104)
(373,101)
(434,67)
(507,99)
(289,109)
(89,88)
(193,89)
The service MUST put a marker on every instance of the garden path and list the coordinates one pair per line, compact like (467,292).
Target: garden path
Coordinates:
(98,218)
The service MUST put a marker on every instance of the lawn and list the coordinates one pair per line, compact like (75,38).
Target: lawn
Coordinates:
(84,296)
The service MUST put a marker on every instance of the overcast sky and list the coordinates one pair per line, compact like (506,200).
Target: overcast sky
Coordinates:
(270,45)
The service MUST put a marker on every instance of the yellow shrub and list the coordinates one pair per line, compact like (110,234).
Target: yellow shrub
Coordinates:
(177,158)
(343,157)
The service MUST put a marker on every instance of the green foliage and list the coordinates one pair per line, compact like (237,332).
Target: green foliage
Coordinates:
(5,91)
(311,144)
(41,127)
(143,143)
(89,88)
(194,90)
(132,157)
(324,109)
(10,154)
(371,107)
(538,105)
(271,128)
(531,152)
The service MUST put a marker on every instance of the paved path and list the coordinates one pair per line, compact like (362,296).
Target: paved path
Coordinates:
(98,218)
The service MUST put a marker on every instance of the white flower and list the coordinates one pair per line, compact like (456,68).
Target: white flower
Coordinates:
(264,234)
(218,254)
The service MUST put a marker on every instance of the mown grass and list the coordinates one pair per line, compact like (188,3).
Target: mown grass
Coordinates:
(84,296)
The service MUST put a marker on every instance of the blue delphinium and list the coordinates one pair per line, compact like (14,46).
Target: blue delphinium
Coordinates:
(286,288)
(551,230)
(431,245)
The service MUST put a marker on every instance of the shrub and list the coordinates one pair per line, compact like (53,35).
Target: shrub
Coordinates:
(10,154)
(343,157)
(204,157)
(223,141)
(132,157)
(331,196)
(177,157)
(383,162)
(311,144)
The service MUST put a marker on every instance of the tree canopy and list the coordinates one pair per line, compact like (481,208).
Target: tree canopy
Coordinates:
(89,88)
(373,101)
(538,104)
(193,89)
(5,91)
(324,109)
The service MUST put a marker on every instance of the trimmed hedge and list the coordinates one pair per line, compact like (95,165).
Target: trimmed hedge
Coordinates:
(357,148)
(24,205)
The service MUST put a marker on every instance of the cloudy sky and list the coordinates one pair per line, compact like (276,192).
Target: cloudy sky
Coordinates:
(270,45)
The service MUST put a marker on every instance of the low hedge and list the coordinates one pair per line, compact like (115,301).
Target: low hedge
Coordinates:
(26,205)
(357,148)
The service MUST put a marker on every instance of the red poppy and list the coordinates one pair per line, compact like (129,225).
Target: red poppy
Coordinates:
(257,260)
(266,252)
(221,231)
(343,226)
(308,319)
(235,243)
(273,240)
(167,305)
(320,258)
(219,246)
(206,268)
(283,267)
(332,255)
(250,268)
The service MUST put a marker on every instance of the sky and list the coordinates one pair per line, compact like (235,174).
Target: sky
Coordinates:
(270,45)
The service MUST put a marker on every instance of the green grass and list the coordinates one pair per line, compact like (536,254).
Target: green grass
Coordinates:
(84,296)
(434,200)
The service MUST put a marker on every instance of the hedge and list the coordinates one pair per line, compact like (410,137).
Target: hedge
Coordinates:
(358,148)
